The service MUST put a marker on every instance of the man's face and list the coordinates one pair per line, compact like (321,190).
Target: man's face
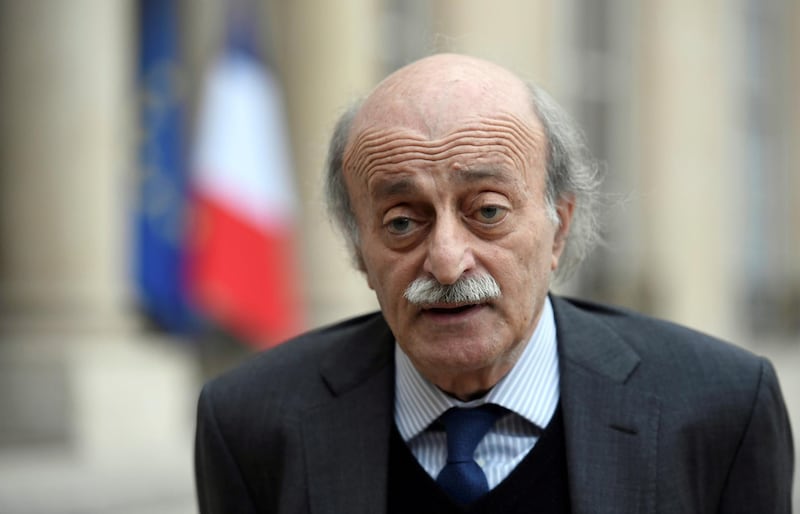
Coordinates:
(445,188)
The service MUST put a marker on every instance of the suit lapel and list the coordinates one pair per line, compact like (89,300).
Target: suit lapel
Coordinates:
(610,428)
(346,438)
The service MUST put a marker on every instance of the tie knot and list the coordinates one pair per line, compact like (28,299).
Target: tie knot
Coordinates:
(466,427)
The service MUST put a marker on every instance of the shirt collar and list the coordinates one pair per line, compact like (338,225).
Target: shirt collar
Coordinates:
(530,389)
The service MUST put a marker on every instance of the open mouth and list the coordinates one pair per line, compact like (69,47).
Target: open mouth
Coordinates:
(451,310)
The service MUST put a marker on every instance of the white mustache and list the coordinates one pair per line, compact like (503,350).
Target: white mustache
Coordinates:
(471,289)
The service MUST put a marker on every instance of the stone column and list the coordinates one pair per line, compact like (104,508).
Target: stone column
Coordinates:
(328,53)
(514,34)
(64,107)
(793,30)
(64,140)
(689,187)
(87,401)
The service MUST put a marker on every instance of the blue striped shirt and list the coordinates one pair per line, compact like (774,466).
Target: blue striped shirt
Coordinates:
(529,391)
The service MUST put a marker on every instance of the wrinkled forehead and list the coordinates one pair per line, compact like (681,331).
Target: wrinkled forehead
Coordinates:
(441,103)
(437,95)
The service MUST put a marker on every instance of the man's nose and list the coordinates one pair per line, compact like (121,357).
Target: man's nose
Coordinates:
(449,253)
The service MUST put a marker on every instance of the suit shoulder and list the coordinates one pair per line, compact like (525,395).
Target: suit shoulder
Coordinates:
(670,352)
(292,366)
(644,331)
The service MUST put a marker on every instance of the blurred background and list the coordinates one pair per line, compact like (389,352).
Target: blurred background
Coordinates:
(161,215)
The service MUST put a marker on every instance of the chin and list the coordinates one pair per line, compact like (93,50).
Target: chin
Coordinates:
(455,355)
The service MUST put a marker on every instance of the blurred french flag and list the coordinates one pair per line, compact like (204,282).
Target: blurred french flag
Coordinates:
(215,236)
(242,265)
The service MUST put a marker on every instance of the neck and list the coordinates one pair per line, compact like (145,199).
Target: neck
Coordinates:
(468,398)
(471,385)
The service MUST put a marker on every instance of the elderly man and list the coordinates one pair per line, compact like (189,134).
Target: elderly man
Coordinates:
(462,191)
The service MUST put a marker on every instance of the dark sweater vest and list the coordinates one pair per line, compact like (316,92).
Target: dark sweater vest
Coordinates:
(538,483)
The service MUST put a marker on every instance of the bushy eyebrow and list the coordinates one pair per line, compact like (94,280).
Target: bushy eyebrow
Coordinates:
(387,187)
(483,174)
(404,184)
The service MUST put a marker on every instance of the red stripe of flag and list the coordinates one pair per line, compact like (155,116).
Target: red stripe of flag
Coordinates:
(244,276)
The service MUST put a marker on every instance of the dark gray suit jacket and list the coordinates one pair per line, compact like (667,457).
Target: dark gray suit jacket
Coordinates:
(658,419)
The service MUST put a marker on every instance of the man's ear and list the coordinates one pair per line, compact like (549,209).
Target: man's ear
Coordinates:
(361,265)
(565,208)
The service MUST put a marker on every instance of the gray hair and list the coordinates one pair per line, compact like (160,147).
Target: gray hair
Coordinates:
(572,172)
(469,289)
(336,195)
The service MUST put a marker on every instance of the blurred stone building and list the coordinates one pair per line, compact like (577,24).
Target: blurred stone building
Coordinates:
(691,106)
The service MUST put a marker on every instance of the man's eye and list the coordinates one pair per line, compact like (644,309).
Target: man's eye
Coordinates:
(400,225)
(490,213)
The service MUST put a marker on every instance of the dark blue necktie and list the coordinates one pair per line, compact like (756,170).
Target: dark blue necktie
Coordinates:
(461,477)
